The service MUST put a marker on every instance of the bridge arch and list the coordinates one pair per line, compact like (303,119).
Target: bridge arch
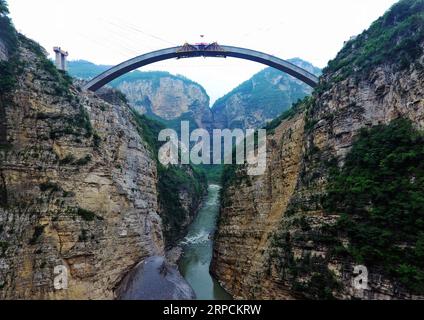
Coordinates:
(201,50)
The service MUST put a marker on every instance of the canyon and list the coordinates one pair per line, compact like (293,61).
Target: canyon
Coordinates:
(174,98)
(81,187)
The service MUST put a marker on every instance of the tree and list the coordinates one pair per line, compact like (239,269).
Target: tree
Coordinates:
(8,34)
(4,10)
(379,193)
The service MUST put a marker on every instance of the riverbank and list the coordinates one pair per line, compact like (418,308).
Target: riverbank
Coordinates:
(197,250)
(154,279)
(184,272)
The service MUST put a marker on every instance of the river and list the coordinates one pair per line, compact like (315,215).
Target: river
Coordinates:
(198,246)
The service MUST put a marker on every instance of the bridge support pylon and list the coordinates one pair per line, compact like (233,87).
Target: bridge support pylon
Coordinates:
(61,58)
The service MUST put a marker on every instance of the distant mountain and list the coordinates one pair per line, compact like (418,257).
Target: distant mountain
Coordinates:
(160,95)
(85,70)
(262,98)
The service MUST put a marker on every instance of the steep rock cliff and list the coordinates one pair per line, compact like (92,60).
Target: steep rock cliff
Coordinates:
(78,187)
(289,244)
(169,97)
(250,211)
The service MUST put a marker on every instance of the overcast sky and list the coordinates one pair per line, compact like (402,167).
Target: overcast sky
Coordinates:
(111,31)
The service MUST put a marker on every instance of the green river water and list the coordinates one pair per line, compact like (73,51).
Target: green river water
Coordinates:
(197,246)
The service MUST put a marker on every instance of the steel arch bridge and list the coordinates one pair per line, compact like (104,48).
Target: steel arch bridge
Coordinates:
(201,50)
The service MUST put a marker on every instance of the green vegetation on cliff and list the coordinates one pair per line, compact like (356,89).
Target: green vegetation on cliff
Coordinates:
(395,38)
(13,66)
(263,97)
(7,31)
(379,192)
(9,38)
(308,276)
(298,107)
(60,81)
(3,7)
(8,71)
(172,181)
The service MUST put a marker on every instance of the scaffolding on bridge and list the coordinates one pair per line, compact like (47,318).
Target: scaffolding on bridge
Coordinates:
(201,48)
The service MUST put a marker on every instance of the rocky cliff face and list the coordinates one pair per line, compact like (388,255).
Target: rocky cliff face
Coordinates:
(276,224)
(157,94)
(169,98)
(250,211)
(78,188)
(261,99)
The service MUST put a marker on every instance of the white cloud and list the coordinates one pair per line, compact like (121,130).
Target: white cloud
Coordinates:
(109,32)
